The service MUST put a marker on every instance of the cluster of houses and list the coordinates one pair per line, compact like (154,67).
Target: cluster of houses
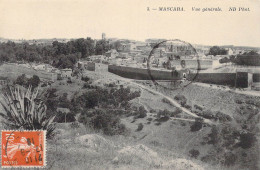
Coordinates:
(135,53)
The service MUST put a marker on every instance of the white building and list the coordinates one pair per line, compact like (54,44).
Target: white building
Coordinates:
(67,72)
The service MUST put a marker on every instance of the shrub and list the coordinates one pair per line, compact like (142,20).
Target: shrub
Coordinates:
(181,99)
(69,81)
(86,78)
(150,119)
(167,113)
(194,153)
(213,137)
(44,85)
(158,123)
(34,81)
(164,100)
(187,106)
(163,119)
(23,110)
(88,86)
(74,125)
(238,101)
(247,140)
(91,99)
(222,117)
(152,111)
(183,123)
(198,107)
(207,114)
(177,111)
(229,159)
(140,127)
(112,84)
(22,80)
(197,125)
(103,121)
(250,102)
(140,113)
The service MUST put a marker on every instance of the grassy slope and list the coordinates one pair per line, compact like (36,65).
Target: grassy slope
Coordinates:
(12,71)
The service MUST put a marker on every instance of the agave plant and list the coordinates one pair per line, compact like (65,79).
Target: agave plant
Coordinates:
(23,110)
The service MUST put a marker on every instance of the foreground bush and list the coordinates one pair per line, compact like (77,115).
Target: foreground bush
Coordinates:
(194,153)
(140,127)
(140,113)
(197,125)
(23,110)
(86,78)
(102,120)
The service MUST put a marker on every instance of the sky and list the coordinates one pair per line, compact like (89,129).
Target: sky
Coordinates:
(35,19)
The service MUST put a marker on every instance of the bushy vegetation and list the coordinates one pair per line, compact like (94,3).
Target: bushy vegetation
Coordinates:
(86,78)
(167,113)
(229,145)
(200,108)
(167,101)
(24,110)
(102,120)
(216,50)
(106,98)
(22,80)
(248,58)
(75,125)
(197,125)
(60,55)
(88,85)
(140,127)
(101,109)
(181,99)
(194,153)
(139,113)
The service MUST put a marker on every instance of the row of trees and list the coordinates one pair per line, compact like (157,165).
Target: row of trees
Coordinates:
(251,58)
(22,80)
(59,54)
(216,50)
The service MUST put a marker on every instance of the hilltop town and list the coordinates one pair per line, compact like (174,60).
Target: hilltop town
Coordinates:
(51,56)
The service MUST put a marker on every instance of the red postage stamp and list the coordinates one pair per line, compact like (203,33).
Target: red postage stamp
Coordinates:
(23,149)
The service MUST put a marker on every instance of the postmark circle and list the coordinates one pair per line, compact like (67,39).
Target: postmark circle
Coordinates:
(167,62)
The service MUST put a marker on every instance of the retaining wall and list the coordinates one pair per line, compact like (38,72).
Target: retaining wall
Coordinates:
(239,79)
(142,73)
(228,79)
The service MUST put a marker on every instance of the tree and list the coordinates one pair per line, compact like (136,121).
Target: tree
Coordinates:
(116,45)
(34,81)
(101,47)
(216,50)
(21,80)
(224,60)
(248,58)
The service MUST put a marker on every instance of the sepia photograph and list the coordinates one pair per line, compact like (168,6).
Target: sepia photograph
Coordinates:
(130,84)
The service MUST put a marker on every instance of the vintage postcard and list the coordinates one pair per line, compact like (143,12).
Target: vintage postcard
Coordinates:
(130,84)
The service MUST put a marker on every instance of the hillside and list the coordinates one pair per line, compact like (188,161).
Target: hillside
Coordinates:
(171,134)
